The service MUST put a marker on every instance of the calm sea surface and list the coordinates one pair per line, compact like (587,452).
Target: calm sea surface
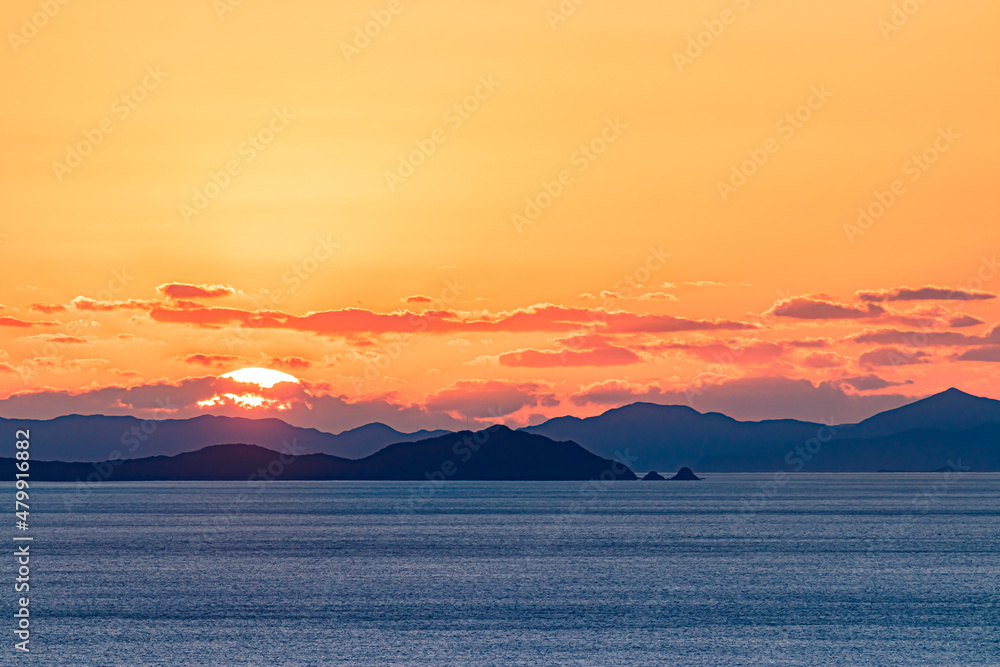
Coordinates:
(883,569)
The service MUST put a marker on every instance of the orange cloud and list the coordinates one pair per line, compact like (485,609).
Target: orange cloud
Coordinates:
(601,356)
(48,309)
(290,363)
(14,322)
(83,303)
(215,360)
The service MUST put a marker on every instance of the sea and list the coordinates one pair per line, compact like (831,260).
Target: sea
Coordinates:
(736,569)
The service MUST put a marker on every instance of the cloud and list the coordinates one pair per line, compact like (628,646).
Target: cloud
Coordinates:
(823,360)
(583,350)
(162,399)
(960,321)
(48,309)
(489,399)
(213,360)
(892,356)
(773,397)
(83,303)
(810,342)
(24,324)
(917,338)
(779,397)
(929,293)
(871,382)
(619,322)
(658,296)
(290,363)
(542,318)
(819,308)
(607,295)
(751,398)
(417,298)
(759,352)
(989,353)
(615,392)
(703,283)
(194,291)
(66,340)
(7,369)
(603,356)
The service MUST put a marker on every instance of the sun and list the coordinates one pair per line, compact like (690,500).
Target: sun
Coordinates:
(262,377)
(252,397)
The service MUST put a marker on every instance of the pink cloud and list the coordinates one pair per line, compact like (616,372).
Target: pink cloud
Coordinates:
(917,338)
(871,382)
(929,293)
(194,291)
(615,392)
(809,308)
(960,321)
(810,342)
(822,360)
(753,398)
(989,353)
(489,399)
(892,356)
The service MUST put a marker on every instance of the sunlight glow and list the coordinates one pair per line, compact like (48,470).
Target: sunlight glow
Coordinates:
(262,377)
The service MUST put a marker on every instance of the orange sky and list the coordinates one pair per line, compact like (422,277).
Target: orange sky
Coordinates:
(191,187)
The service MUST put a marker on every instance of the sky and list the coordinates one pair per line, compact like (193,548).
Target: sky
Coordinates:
(435,214)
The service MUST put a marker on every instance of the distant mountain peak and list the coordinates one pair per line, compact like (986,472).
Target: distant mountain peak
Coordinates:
(951,409)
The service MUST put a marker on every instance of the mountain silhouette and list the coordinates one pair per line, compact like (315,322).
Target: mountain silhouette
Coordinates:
(951,410)
(98,437)
(669,437)
(921,436)
(497,453)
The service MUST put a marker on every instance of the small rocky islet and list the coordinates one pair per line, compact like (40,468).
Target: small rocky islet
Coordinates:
(684,474)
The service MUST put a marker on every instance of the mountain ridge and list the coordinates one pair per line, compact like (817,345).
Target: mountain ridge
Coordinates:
(497,453)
